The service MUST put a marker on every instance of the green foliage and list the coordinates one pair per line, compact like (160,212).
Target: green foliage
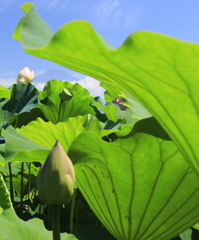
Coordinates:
(65,132)
(23,99)
(5,93)
(5,202)
(14,228)
(138,175)
(17,143)
(136,109)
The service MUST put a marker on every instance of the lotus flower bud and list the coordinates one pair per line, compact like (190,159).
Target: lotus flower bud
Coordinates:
(25,76)
(56,178)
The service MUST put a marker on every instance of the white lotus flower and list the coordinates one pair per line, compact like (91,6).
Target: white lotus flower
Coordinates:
(25,76)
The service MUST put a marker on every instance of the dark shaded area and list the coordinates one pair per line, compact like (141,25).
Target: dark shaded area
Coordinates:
(2,140)
(17,109)
(99,115)
(24,118)
(21,96)
(90,233)
(149,126)
(195,234)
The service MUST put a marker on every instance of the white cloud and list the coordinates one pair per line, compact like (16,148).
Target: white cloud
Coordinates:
(92,85)
(7,82)
(39,85)
(4,4)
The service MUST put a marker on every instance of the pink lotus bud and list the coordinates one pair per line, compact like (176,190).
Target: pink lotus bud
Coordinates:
(119,102)
(25,76)
(56,178)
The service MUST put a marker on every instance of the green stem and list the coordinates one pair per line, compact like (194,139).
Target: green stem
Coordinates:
(49,218)
(55,210)
(72,211)
(11,183)
(59,112)
(22,169)
(40,205)
(29,180)
(16,122)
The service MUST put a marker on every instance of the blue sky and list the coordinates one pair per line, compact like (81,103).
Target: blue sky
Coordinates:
(113,19)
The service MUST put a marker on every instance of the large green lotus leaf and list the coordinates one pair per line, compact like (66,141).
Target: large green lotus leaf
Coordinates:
(58,105)
(140,187)
(13,227)
(56,87)
(161,72)
(4,92)
(56,110)
(65,132)
(18,145)
(23,99)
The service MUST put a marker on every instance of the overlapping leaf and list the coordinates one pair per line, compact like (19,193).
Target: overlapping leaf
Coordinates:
(140,187)
(13,227)
(63,100)
(31,144)
(58,111)
(25,149)
(161,72)
(109,110)
(23,99)
(65,132)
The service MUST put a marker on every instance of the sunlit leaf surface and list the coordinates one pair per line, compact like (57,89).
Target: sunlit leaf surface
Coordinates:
(140,187)
(161,72)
